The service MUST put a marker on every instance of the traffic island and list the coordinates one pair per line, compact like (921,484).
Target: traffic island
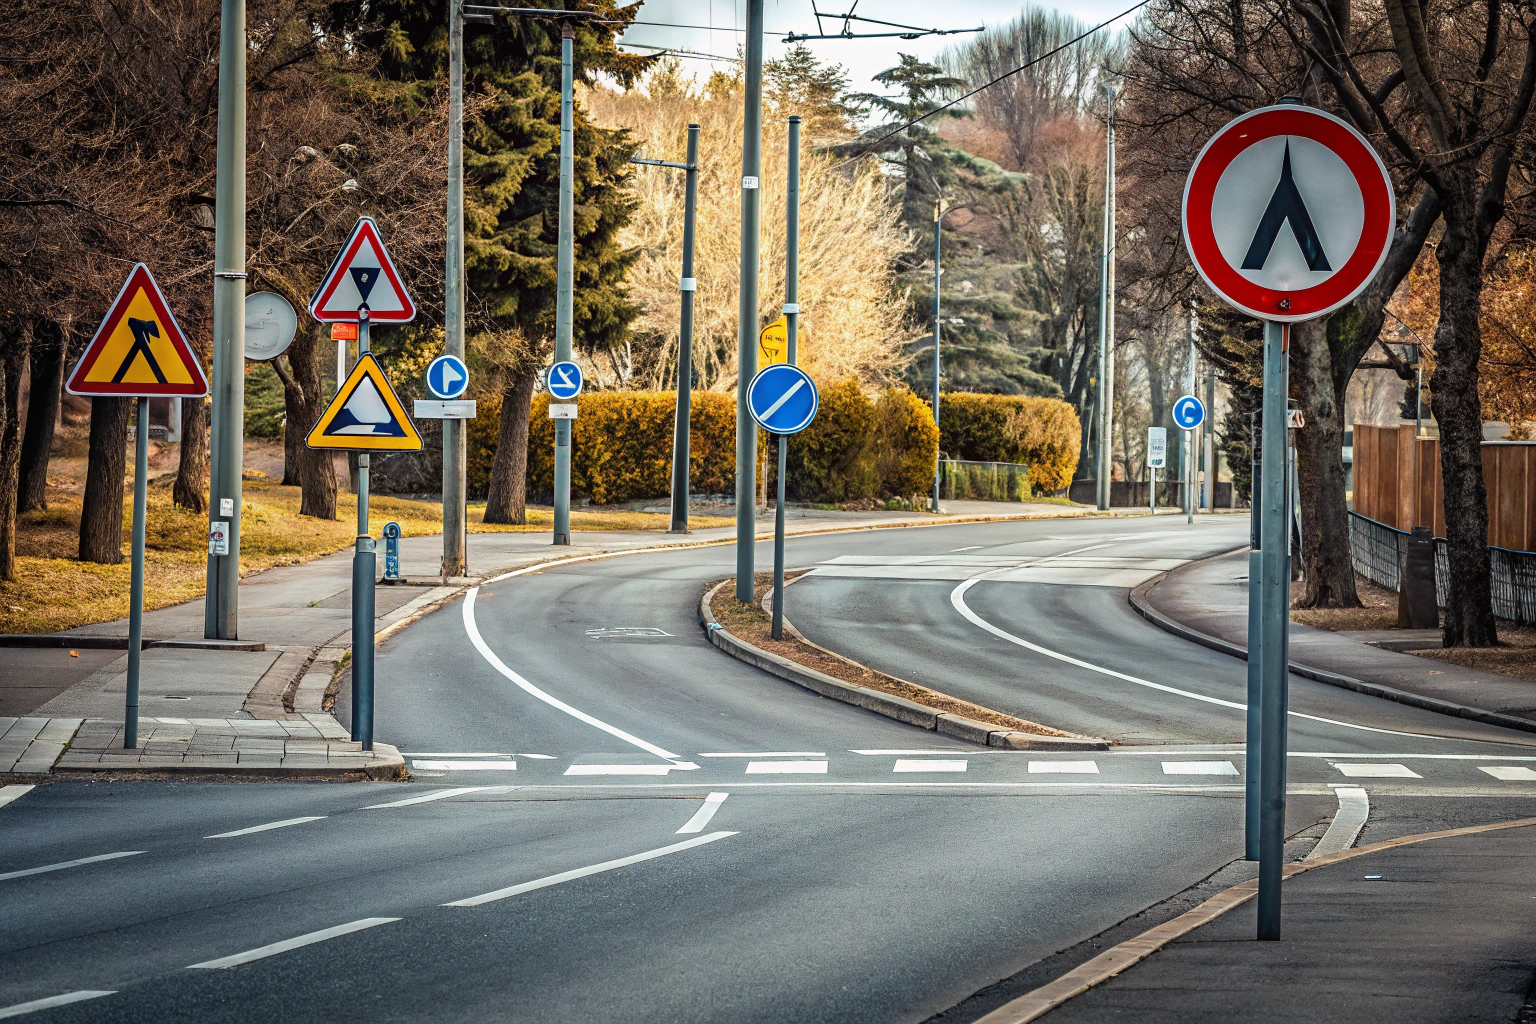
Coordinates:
(745,633)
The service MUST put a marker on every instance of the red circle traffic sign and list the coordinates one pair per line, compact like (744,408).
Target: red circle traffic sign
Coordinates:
(1288,213)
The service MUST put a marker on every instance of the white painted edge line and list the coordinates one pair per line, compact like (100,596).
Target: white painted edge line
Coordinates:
(927,765)
(618,769)
(957,598)
(786,767)
(1423,757)
(527,687)
(266,828)
(441,794)
(272,949)
(1063,768)
(567,876)
(702,816)
(773,753)
(10,793)
(1354,809)
(940,750)
(49,1003)
(465,766)
(423,753)
(69,864)
(1199,768)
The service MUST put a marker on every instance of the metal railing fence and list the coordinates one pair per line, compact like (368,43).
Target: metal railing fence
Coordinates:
(1379,551)
(984,481)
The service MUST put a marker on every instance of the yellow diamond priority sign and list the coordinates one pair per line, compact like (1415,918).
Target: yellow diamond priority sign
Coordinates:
(366,415)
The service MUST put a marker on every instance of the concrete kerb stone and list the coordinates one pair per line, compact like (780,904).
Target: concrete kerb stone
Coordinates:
(899,708)
(1143,607)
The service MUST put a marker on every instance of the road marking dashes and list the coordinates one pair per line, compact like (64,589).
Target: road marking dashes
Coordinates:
(1377,771)
(1507,773)
(50,1002)
(912,764)
(442,794)
(262,952)
(69,864)
(702,816)
(786,767)
(1063,768)
(269,826)
(1199,768)
(619,769)
(773,753)
(9,793)
(465,766)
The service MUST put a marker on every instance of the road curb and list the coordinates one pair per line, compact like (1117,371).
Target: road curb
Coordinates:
(898,708)
(1143,607)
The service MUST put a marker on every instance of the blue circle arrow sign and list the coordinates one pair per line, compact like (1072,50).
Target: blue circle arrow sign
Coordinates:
(1188,412)
(447,377)
(782,399)
(563,381)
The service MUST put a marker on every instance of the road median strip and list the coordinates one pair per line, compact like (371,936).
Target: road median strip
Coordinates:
(793,660)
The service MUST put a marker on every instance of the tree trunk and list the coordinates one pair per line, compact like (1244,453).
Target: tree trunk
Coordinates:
(1325,551)
(13,363)
(316,472)
(101,515)
(1459,412)
(48,347)
(507,501)
(191,489)
(295,426)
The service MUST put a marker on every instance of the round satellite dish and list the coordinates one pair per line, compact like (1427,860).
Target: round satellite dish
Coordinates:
(270,323)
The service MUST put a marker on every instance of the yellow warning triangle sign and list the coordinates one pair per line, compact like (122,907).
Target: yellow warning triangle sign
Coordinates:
(139,349)
(366,415)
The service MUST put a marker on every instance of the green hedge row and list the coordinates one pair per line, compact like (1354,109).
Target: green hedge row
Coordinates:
(1041,433)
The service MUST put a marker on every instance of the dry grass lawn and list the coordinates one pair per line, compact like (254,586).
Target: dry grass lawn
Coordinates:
(53,591)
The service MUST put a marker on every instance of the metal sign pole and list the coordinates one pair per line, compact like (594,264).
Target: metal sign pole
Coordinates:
(454,432)
(792,338)
(746,314)
(1275,613)
(938,224)
(136,586)
(682,426)
(363,563)
(564,273)
(1255,760)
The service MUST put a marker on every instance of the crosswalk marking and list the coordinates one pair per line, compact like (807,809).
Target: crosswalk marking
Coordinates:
(1377,771)
(1063,768)
(786,767)
(1199,768)
(1506,773)
(912,764)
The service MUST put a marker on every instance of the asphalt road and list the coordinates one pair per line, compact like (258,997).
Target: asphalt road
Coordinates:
(846,868)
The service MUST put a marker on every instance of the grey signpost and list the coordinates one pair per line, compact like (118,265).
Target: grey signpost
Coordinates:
(1104,463)
(938,224)
(792,331)
(1297,173)
(781,399)
(746,312)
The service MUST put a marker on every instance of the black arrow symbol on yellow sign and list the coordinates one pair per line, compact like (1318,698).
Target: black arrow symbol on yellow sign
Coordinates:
(142,330)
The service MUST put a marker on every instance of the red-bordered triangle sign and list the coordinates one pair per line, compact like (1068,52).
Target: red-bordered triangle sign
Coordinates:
(139,349)
(363,275)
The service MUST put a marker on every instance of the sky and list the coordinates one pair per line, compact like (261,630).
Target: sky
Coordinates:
(863,58)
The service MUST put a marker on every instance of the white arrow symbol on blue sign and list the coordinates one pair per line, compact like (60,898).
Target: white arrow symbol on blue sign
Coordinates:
(564,380)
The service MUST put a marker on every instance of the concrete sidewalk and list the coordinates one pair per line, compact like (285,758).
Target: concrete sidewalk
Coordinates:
(1438,931)
(295,622)
(1207,602)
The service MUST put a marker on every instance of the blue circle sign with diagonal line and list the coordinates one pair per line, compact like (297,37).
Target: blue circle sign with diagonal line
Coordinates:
(447,377)
(782,399)
(1189,412)
(563,381)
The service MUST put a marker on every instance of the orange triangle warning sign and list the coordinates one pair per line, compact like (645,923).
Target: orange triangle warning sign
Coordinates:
(366,415)
(138,350)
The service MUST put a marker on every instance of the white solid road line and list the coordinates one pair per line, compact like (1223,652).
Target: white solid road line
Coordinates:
(1378,771)
(9,793)
(262,952)
(566,876)
(52,1001)
(786,767)
(957,598)
(703,814)
(266,828)
(1063,768)
(527,687)
(1199,768)
(1507,773)
(442,794)
(423,753)
(619,769)
(940,750)
(774,753)
(465,766)
(925,765)
(69,864)
(1354,809)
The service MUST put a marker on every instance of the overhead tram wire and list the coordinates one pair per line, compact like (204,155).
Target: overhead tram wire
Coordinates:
(672,51)
(870,148)
(912,31)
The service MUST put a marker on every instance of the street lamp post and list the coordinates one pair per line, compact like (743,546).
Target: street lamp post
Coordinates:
(1105,465)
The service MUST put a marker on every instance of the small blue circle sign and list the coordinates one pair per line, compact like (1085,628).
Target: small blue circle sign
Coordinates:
(1188,412)
(782,399)
(447,377)
(563,381)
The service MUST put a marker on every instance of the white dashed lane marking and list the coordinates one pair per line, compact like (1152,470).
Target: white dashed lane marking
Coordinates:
(702,816)
(1378,771)
(269,826)
(309,939)
(1505,773)
(786,767)
(24,872)
(1063,768)
(619,769)
(49,1003)
(9,793)
(465,766)
(1199,768)
(906,764)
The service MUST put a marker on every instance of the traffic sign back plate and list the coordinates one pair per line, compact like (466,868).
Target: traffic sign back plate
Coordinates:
(139,349)
(366,415)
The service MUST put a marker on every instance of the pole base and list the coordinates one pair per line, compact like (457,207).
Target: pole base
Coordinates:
(562,540)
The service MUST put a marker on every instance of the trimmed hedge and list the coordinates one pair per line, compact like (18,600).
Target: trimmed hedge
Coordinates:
(1041,433)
